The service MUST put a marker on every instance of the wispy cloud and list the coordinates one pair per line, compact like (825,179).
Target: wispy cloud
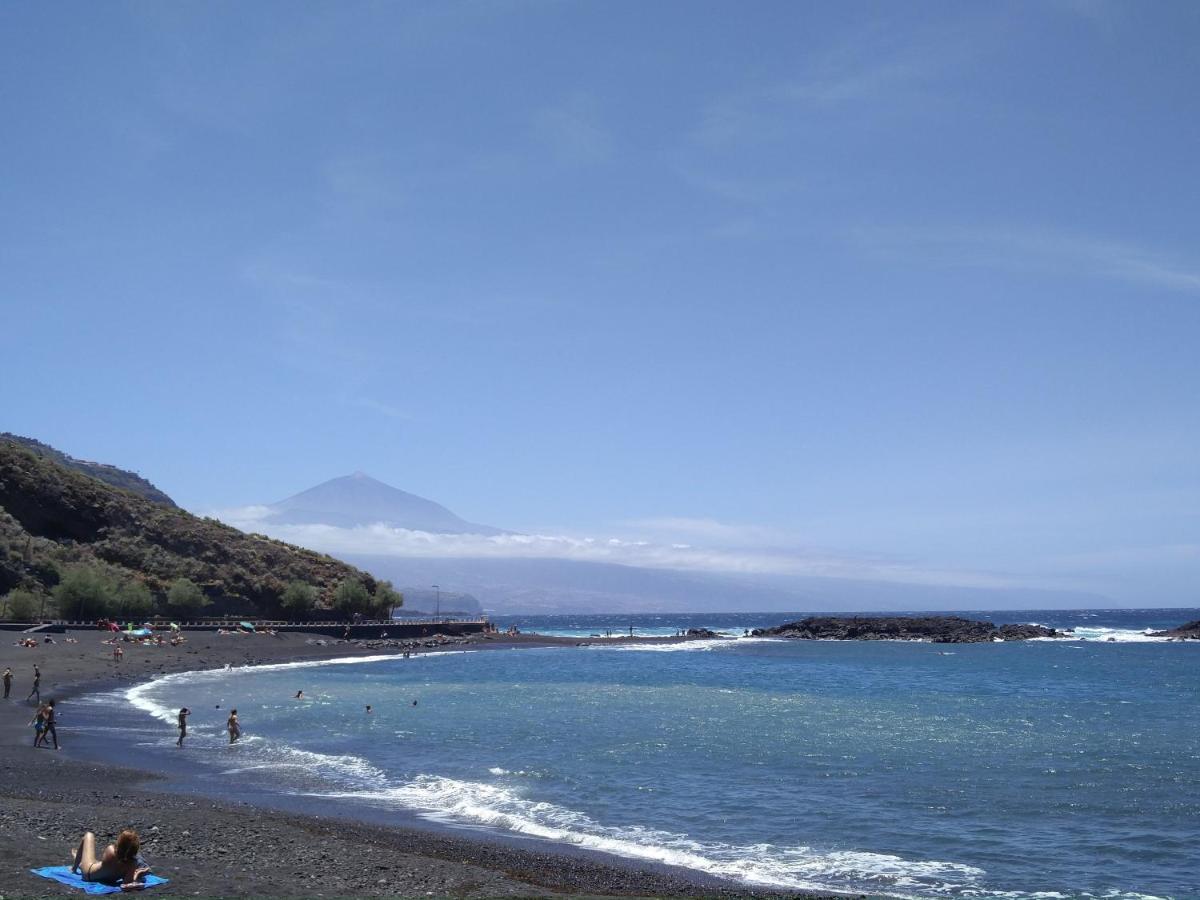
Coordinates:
(1031,249)
(1159,555)
(742,188)
(880,66)
(377,406)
(573,131)
(1103,15)
(690,556)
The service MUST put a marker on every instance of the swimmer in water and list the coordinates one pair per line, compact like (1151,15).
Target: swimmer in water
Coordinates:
(299,695)
(235,728)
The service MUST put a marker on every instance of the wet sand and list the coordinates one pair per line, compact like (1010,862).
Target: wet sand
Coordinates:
(207,849)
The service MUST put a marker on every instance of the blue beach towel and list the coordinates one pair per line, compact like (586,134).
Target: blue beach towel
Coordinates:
(63,875)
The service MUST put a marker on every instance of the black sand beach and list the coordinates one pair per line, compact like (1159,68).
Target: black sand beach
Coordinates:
(233,849)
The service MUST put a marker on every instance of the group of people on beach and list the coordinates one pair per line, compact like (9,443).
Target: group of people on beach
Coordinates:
(120,864)
(231,725)
(44,725)
(35,693)
(43,721)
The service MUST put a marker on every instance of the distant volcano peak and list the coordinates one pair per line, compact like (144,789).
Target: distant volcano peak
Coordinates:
(359,499)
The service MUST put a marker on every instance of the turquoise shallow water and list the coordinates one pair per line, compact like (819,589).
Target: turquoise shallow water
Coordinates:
(1003,770)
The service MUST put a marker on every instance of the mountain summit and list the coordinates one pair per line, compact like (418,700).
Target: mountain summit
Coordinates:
(359,499)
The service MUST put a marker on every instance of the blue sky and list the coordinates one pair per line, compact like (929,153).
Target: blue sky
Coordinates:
(860,282)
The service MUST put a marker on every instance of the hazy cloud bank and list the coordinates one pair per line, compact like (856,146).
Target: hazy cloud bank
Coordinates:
(703,545)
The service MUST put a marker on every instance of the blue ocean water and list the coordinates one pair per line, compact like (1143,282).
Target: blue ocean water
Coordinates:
(1034,769)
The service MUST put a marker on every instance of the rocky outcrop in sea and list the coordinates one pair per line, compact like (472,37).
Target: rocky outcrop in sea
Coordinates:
(936,629)
(1187,632)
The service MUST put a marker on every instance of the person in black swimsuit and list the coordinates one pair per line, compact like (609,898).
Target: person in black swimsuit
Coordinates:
(183,714)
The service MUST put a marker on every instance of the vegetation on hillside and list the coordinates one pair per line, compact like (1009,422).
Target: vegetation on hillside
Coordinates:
(76,546)
(121,478)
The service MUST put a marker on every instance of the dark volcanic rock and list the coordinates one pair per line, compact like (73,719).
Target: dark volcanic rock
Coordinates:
(938,629)
(1189,631)
(704,633)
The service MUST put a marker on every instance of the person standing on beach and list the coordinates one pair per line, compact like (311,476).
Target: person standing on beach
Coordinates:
(48,724)
(7,681)
(37,685)
(183,714)
(235,729)
(39,725)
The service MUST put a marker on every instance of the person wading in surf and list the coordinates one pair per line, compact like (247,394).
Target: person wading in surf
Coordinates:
(183,714)
(235,728)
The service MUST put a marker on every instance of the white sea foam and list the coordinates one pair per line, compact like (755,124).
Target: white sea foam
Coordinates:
(696,645)
(798,868)
(1110,635)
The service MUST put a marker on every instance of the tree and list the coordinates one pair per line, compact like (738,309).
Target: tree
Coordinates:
(134,600)
(22,605)
(85,593)
(298,599)
(351,597)
(185,596)
(387,598)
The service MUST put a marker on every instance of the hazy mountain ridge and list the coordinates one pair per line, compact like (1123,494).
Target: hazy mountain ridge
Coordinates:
(553,585)
(358,500)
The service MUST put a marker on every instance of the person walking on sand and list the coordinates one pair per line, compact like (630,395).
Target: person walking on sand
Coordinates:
(48,724)
(183,714)
(37,685)
(235,728)
(39,725)
(7,681)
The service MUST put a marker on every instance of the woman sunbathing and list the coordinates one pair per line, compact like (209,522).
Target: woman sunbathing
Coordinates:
(120,864)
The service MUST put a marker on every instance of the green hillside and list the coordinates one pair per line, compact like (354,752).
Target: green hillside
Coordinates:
(129,481)
(57,523)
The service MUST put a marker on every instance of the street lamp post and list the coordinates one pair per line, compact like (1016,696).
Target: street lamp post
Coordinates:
(437,613)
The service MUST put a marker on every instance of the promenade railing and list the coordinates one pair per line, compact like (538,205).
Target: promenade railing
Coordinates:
(233,621)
